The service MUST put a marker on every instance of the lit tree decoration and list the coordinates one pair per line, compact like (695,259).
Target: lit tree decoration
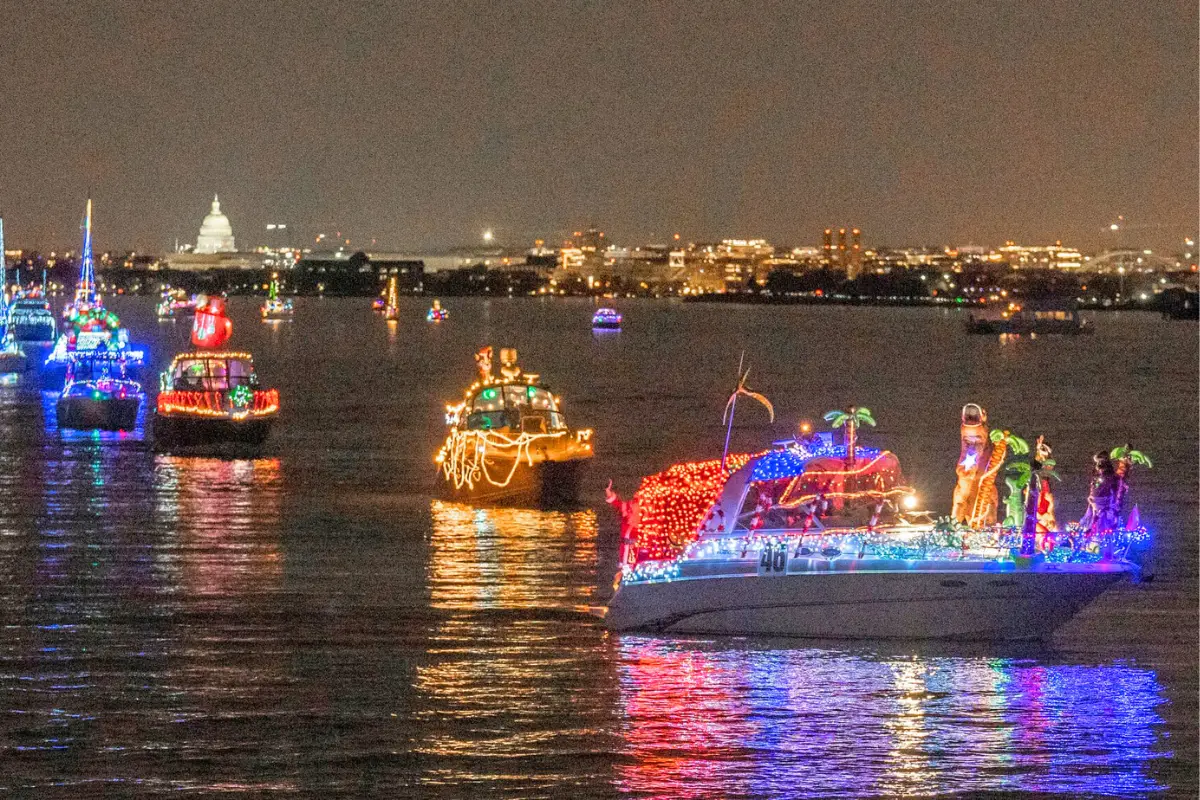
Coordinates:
(850,420)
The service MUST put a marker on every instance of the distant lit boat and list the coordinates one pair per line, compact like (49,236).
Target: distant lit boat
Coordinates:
(274,307)
(171,302)
(12,358)
(436,313)
(1041,317)
(606,319)
(509,441)
(30,322)
(391,308)
(98,395)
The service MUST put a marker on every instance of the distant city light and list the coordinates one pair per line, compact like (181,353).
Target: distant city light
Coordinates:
(488,235)
(1114,227)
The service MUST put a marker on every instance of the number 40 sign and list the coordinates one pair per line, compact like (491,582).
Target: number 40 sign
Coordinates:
(773,560)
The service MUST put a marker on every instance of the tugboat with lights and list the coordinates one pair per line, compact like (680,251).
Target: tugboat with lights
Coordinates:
(509,441)
(99,394)
(170,302)
(606,319)
(212,398)
(273,308)
(818,540)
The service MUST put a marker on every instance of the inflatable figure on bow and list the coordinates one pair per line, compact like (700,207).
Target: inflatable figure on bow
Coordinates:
(976,500)
(210,327)
(1110,488)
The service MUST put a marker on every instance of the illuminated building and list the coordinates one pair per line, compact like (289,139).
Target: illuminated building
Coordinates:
(841,248)
(854,266)
(216,232)
(827,247)
(1053,256)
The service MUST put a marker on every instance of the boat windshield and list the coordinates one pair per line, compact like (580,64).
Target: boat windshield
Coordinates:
(96,369)
(531,409)
(213,374)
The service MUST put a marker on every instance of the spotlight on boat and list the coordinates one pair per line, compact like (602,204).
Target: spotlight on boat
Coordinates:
(910,502)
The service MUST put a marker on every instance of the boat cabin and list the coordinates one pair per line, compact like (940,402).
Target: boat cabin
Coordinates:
(96,365)
(516,407)
(210,372)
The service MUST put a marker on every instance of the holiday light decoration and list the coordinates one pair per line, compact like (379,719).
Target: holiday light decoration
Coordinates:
(210,326)
(606,319)
(262,402)
(491,446)
(436,313)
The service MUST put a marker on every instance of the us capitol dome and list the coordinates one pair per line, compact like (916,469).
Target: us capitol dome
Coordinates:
(216,234)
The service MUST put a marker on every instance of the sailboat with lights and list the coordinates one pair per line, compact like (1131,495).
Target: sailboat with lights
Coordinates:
(274,307)
(814,539)
(210,397)
(509,441)
(87,324)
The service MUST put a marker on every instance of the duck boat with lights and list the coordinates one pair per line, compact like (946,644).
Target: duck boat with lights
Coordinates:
(212,398)
(1034,316)
(99,394)
(509,441)
(817,540)
(273,307)
(606,319)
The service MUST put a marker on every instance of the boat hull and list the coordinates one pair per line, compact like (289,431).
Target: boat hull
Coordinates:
(959,605)
(544,484)
(1022,328)
(186,430)
(86,414)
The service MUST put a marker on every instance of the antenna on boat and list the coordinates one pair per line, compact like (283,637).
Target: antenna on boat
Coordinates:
(731,406)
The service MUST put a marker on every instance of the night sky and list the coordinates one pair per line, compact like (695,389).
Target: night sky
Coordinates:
(421,124)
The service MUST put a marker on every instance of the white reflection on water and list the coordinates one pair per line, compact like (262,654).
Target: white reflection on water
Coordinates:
(742,720)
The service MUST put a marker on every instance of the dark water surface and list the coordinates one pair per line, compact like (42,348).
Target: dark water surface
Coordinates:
(312,622)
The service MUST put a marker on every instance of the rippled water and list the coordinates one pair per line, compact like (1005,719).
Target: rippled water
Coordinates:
(314,622)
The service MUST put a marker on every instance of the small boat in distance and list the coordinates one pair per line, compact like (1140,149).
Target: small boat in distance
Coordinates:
(274,308)
(436,313)
(391,308)
(1039,316)
(606,319)
(99,394)
(509,441)
(170,302)
(30,321)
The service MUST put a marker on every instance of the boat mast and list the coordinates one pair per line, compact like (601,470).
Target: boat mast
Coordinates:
(85,290)
(3,267)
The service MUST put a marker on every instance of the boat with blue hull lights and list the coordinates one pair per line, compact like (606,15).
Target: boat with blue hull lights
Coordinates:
(812,539)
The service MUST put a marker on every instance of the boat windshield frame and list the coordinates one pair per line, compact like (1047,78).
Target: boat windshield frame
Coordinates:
(503,409)
(209,380)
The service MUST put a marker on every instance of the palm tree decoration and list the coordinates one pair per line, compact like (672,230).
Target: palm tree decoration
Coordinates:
(850,419)
(1124,459)
(1014,504)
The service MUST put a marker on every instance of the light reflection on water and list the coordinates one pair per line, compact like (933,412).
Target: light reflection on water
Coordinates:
(311,622)
(701,718)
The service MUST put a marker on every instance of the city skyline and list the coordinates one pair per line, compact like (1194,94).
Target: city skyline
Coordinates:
(423,128)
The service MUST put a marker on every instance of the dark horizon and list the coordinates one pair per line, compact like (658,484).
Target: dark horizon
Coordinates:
(423,127)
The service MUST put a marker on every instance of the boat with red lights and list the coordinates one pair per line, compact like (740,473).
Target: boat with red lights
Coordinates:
(509,441)
(99,393)
(213,397)
(813,539)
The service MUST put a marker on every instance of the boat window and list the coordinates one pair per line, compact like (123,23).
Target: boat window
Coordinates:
(515,396)
(557,423)
(490,399)
(217,378)
(486,420)
(541,399)
(241,372)
(190,374)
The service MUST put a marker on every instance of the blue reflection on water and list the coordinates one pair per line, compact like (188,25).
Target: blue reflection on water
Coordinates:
(816,723)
